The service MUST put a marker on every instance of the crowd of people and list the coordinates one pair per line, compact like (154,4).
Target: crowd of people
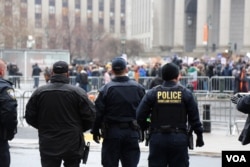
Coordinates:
(239,69)
(93,75)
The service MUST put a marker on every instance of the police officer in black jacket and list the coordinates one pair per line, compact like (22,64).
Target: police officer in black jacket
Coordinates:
(170,107)
(8,116)
(242,104)
(116,115)
(61,112)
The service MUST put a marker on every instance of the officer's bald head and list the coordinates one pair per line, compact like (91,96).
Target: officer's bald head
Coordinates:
(2,68)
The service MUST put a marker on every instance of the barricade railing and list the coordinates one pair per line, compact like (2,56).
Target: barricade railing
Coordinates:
(202,84)
(222,84)
(213,95)
(20,107)
(216,111)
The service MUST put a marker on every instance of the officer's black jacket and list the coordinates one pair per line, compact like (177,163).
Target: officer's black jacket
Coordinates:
(148,105)
(243,106)
(117,101)
(8,110)
(61,112)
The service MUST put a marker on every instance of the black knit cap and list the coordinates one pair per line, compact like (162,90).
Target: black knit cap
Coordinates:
(118,64)
(60,67)
(170,71)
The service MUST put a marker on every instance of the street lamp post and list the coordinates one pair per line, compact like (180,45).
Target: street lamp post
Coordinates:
(123,45)
(230,51)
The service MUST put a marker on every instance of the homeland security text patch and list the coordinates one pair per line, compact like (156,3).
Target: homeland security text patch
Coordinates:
(169,96)
(235,158)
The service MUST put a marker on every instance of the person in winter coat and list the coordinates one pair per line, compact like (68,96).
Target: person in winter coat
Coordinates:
(61,113)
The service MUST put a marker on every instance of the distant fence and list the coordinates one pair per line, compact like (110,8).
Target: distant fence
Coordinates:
(216,111)
(202,84)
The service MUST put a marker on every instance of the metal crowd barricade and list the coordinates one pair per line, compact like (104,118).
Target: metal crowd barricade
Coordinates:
(201,85)
(20,108)
(221,113)
(222,84)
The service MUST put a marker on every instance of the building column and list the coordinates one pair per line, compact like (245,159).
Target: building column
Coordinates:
(202,18)
(246,39)
(224,30)
(179,13)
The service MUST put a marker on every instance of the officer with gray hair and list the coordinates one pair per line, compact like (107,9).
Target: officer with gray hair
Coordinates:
(8,116)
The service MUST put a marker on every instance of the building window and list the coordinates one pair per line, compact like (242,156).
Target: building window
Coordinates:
(101,5)
(123,30)
(89,4)
(51,2)
(23,4)
(38,1)
(24,1)
(52,10)
(123,6)
(65,3)
(112,29)
(38,8)
(38,20)
(101,22)
(112,6)
(112,22)
(39,42)
(77,4)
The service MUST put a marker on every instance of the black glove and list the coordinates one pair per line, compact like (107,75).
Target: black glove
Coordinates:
(199,140)
(141,135)
(96,136)
(235,99)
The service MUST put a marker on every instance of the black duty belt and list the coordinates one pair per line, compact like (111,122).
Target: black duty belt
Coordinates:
(122,125)
(169,130)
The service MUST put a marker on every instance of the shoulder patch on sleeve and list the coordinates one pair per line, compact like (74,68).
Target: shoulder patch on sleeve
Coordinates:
(11,93)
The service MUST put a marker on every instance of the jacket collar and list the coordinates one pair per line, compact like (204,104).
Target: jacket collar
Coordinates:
(59,78)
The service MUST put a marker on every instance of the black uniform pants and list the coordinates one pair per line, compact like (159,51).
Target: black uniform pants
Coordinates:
(120,144)
(168,149)
(4,154)
(50,161)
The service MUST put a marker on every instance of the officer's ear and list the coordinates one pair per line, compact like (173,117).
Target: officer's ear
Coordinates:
(179,77)
(67,74)
(126,70)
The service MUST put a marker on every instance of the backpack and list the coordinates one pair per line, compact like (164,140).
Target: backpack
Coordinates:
(83,78)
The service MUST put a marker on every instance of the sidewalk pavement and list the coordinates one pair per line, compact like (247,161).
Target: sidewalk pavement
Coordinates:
(215,143)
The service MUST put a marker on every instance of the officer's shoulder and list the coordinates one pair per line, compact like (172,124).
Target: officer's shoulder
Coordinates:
(181,87)
(6,85)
